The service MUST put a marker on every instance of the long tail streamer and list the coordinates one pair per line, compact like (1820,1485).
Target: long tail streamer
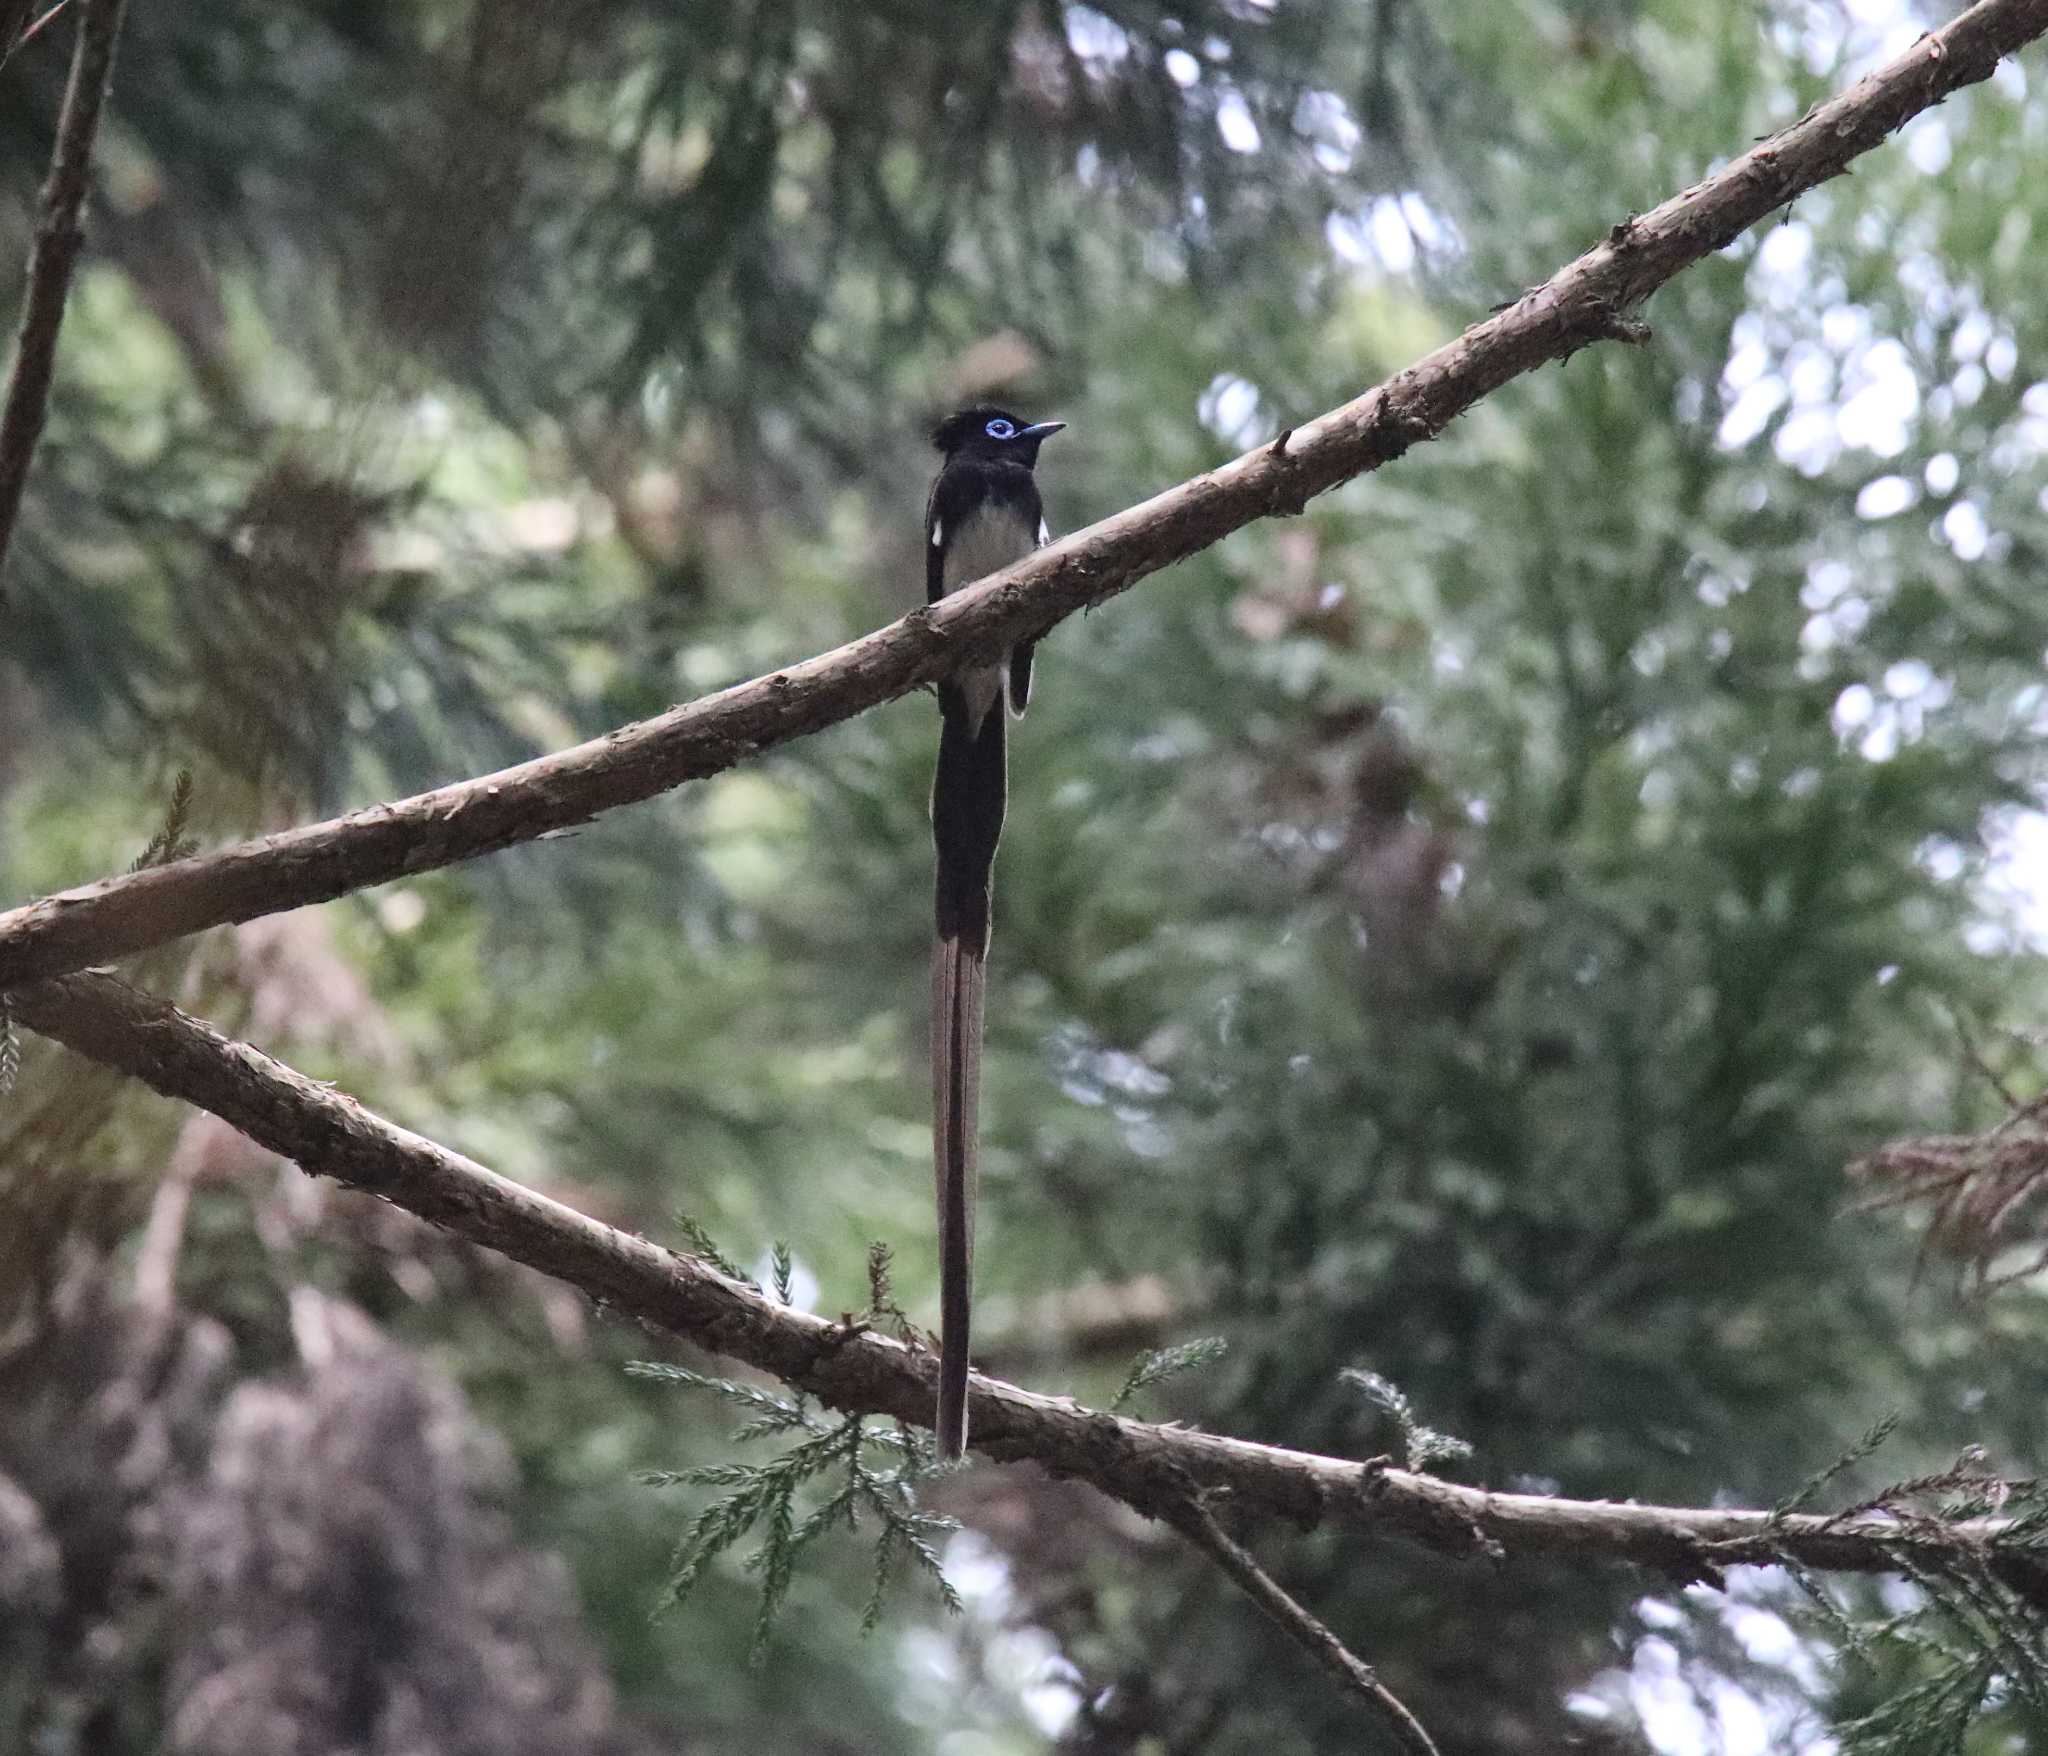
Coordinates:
(967,821)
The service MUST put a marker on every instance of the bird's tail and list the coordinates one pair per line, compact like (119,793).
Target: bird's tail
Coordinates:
(967,821)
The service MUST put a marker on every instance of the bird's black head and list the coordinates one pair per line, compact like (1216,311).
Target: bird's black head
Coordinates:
(994,434)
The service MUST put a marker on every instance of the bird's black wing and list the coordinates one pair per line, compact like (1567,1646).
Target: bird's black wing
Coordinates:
(1020,654)
(956,493)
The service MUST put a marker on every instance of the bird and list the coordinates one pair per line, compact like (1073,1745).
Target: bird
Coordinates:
(984,513)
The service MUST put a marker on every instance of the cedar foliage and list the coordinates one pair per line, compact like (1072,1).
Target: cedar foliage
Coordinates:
(1453,941)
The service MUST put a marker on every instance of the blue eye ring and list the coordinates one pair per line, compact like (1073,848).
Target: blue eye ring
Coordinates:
(1000,429)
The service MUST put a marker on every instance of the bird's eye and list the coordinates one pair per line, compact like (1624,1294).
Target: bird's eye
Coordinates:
(1000,429)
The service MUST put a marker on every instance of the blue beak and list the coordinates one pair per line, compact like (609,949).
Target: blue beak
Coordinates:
(1044,430)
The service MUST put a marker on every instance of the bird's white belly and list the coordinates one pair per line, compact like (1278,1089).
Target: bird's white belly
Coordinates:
(986,541)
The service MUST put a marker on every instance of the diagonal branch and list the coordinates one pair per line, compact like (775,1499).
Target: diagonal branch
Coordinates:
(1588,301)
(60,232)
(1198,1524)
(1151,1468)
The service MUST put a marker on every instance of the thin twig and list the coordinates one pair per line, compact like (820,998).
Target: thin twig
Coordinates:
(163,1237)
(1150,1468)
(35,30)
(1197,1523)
(1588,300)
(1973,1053)
(59,233)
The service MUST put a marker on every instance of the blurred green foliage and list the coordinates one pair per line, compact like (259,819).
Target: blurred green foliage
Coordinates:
(1460,935)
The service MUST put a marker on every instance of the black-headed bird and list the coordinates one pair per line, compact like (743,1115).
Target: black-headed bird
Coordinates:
(984,513)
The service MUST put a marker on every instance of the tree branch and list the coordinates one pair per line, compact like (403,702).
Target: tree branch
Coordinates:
(1588,301)
(1151,1468)
(59,233)
(1198,1524)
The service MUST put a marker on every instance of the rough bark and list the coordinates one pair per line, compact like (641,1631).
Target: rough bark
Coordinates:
(60,231)
(1588,301)
(1155,1469)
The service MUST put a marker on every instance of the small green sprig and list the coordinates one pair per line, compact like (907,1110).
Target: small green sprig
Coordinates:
(1974,1639)
(1880,1430)
(782,1263)
(705,1247)
(170,842)
(840,1471)
(1421,1446)
(1170,1362)
(883,1306)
